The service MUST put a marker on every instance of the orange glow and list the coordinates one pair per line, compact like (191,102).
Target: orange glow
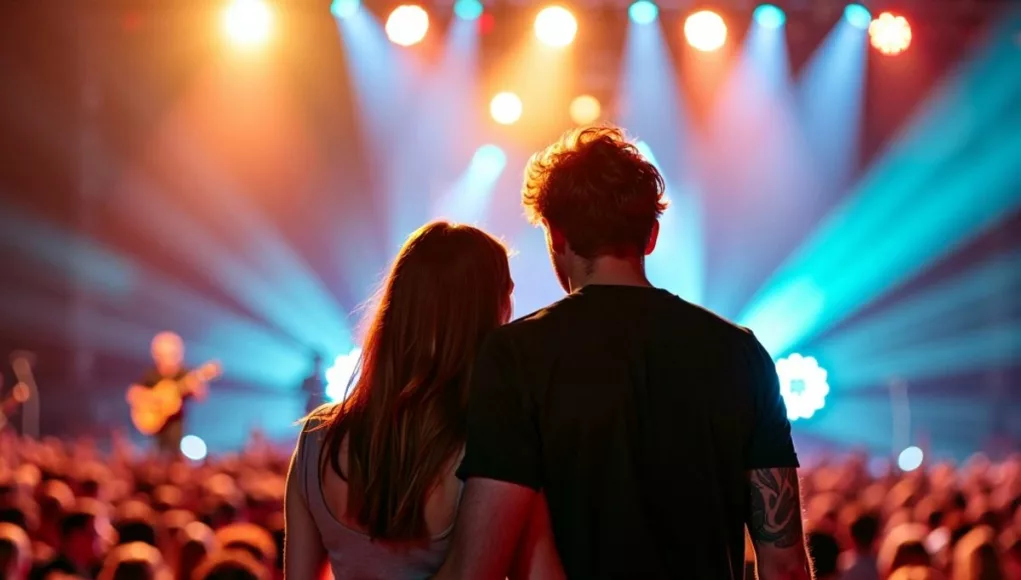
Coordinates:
(705,30)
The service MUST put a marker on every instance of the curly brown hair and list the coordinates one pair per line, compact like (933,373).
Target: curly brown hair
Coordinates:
(595,187)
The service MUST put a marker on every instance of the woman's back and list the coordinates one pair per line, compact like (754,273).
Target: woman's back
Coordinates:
(350,550)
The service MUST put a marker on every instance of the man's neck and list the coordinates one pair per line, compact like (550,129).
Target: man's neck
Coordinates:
(611,271)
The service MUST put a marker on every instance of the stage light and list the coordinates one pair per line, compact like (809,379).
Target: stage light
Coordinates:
(344,8)
(910,459)
(705,30)
(505,108)
(407,25)
(643,12)
(248,22)
(803,385)
(555,26)
(468,9)
(339,375)
(890,34)
(769,16)
(585,109)
(489,160)
(193,447)
(857,16)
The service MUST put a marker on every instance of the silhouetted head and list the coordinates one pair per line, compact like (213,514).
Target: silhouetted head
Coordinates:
(595,195)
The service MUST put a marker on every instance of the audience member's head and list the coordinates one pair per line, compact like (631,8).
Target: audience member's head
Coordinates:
(976,556)
(824,551)
(135,522)
(903,546)
(231,565)
(15,552)
(134,561)
(863,529)
(916,573)
(80,537)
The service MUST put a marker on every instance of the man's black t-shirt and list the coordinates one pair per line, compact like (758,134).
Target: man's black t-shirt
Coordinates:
(639,415)
(153,376)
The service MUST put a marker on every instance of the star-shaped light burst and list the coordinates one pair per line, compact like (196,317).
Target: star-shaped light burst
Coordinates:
(339,375)
(803,385)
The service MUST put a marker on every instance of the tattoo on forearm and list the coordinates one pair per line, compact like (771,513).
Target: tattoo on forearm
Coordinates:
(775,516)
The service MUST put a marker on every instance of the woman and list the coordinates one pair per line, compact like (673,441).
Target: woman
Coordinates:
(372,485)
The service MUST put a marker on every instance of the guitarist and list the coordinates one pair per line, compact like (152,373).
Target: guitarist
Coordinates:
(168,356)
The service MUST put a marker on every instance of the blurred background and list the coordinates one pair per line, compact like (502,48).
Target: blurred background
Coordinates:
(845,180)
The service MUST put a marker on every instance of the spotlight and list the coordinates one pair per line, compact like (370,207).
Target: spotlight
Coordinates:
(407,25)
(489,160)
(584,109)
(339,376)
(468,9)
(910,459)
(857,16)
(555,26)
(890,34)
(769,16)
(193,447)
(802,384)
(505,108)
(705,30)
(247,22)
(344,8)
(643,12)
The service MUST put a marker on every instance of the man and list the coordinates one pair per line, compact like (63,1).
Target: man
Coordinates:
(168,355)
(863,529)
(655,429)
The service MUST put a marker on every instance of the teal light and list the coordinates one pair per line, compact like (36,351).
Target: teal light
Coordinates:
(468,9)
(344,8)
(858,16)
(643,12)
(769,16)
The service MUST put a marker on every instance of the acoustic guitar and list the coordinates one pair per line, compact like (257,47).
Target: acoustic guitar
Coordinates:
(151,408)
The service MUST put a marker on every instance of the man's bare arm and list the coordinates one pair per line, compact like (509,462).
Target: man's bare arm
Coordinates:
(490,520)
(774,523)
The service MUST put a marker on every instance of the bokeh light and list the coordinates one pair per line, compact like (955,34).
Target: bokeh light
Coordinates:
(489,159)
(890,34)
(248,23)
(803,385)
(468,9)
(643,12)
(857,16)
(344,8)
(505,108)
(705,30)
(555,26)
(193,447)
(585,109)
(407,25)
(910,459)
(339,375)
(770,16)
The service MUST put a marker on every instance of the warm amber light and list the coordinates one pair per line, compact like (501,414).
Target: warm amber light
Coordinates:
(890,34)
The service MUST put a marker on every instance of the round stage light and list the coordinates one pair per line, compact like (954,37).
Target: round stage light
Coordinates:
(555,26)
(344,8)
(857,16)
(803,385)
(468,9)
(910,459)
(770,16)
(505,108)
(193,447)
(407,25)
(248,22)
(339,375)
(705,30)
(585,109)
(643,12)
(890,34)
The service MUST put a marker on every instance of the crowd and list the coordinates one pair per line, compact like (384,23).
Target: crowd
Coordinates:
(70,511)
